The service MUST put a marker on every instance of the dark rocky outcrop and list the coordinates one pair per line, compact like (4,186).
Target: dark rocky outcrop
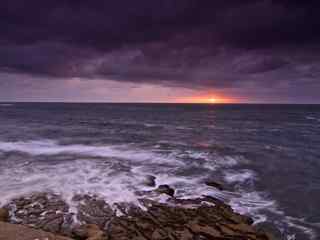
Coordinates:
(215,184)
(149,181)
(270,230)
(93,210)
(166,189)
(44,211)
(185,219)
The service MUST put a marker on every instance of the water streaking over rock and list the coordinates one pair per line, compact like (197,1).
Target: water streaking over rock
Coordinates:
(262,160)
(116,173)
(201,218)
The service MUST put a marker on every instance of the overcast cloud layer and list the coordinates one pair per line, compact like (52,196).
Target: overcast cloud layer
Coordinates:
(261,49)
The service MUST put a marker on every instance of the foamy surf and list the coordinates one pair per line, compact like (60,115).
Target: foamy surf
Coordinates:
(6,105)
(49,147)
(115,173)
(239,176)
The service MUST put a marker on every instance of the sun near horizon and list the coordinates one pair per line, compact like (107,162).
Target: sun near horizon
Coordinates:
(212,100)
(206,100)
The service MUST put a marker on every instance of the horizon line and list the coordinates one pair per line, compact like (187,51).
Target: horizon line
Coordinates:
(177,103)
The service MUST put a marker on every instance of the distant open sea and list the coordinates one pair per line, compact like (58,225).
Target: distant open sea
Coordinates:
(267,156)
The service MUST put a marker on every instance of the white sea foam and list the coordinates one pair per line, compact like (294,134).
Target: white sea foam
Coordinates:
(310,118)
(313,118)
(239,176)
(116,173)
(6,104)
(302,226)
(254,203)
(49,147)
(116,177)
(211,161)
(69,178)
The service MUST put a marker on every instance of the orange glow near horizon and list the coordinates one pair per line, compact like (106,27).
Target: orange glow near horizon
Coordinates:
(211,99)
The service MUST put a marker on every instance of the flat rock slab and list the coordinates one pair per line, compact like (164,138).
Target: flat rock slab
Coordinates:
(202,218)
(18,232)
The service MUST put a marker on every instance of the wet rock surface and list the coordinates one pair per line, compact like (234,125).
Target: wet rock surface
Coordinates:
(94,219)
(215,184)
(44,211)
(166,189)
(89,232)
(149,181)
(270,230)
(92,210)
(19,232)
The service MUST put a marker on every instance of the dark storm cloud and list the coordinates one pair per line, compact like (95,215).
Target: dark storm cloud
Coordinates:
(247,44)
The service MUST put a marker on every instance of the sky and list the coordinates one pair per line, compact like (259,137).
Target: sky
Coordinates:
(218,51)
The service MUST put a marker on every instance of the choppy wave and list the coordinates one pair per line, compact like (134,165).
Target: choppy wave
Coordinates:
(6,104)
(49,147)
(313,118)
(232,176)
(117,173)
(302,225)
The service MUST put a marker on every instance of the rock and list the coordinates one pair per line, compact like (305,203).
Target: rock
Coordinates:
(205,217)
(215,185)
(158,235)
(270,230)
(10,231)
(149,181)
(79,232)
(45,211)
(166,189)
(52,223)
(89,232)
(123,229)
(163,221)
(92,210)
(4,215)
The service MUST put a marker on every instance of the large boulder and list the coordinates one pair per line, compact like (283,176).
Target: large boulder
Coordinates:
(165,189)
(149,181)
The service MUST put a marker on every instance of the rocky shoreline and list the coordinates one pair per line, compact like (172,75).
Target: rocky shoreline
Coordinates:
(46,216)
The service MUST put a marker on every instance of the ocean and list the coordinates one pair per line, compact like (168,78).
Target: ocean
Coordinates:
(267,157)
